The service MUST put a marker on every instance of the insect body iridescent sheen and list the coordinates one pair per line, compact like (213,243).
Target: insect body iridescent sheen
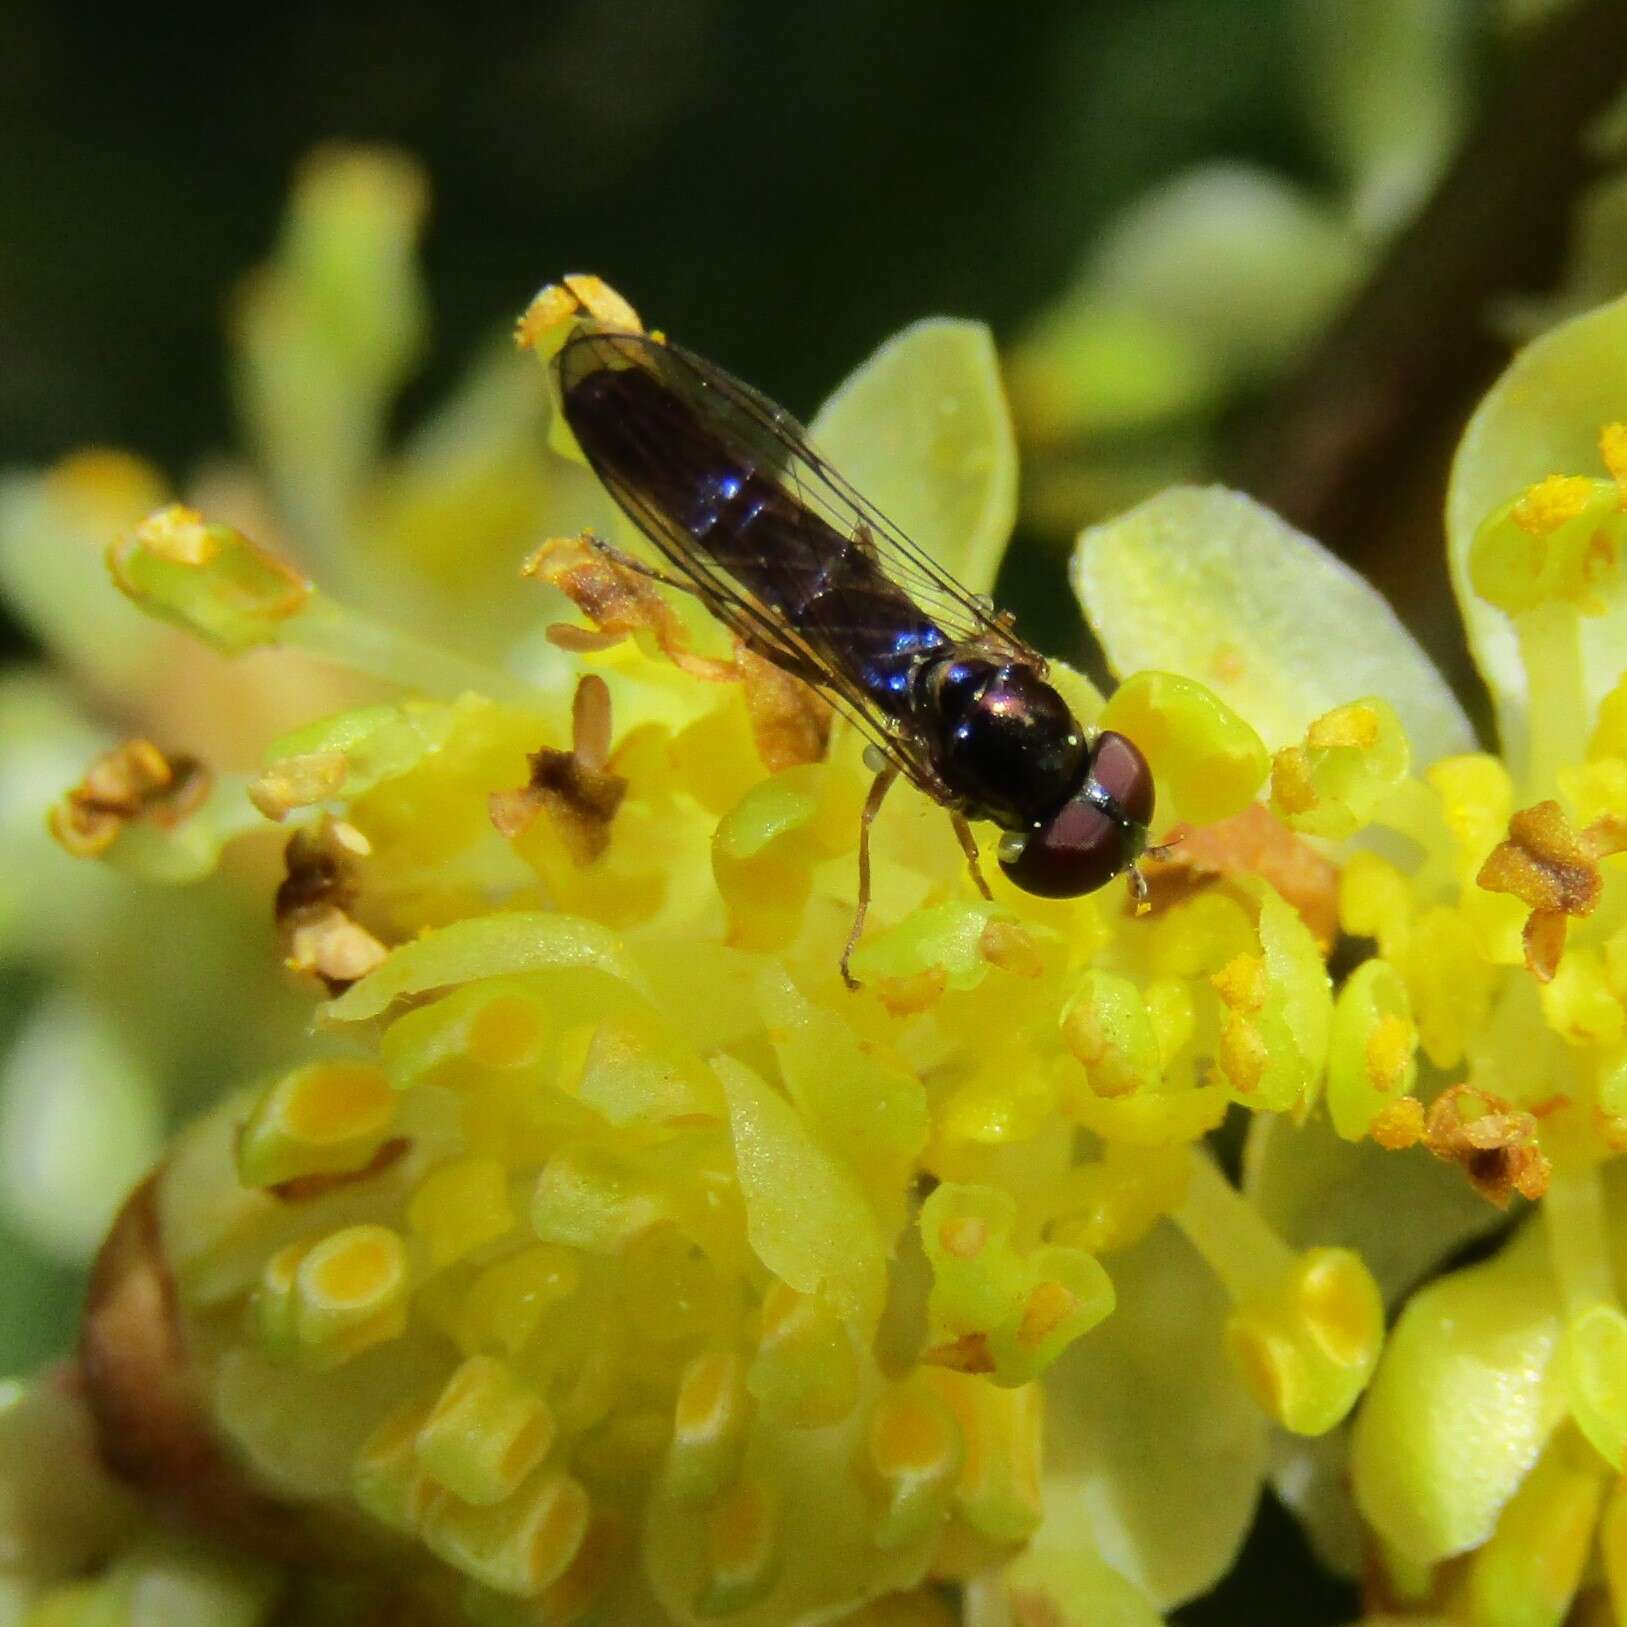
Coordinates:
(784,552)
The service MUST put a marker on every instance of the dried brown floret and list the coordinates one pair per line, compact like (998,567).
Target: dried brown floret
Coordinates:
(573,787)
(152,1422)
(1553,869)
(1494,1141)
(133,782)
(790,722)
(1254,842)
(313,908)
(618,601)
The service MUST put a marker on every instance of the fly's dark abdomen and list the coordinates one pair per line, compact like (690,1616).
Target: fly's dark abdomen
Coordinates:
(689,490)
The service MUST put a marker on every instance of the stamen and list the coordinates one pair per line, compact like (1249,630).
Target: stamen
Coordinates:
(518,1546)
(322,1119)
(386,1477)
(1595,1349)
(327,1302)
(486,1433)
(1550,641)
(1306,1330)
(913,1452)
(1233,1237)
(710,1417)
(460,1207)
(222,587)
(743,1546)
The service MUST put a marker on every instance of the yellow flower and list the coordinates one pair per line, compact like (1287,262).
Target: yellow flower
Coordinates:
(607,1253)
(1488,1024)
(424,531)
(603,1257)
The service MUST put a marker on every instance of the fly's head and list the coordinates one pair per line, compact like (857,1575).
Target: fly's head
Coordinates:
(1097,833)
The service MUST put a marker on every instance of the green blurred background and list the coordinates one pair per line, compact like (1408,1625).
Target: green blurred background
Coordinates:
(783,185)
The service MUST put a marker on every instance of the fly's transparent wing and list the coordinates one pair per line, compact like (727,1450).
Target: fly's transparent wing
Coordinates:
(767,438)
(712,480)
(779,547)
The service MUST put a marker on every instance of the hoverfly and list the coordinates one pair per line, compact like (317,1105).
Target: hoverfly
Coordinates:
(801,568)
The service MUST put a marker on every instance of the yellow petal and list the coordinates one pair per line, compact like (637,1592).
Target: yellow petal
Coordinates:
(922,430)
(485,946)
(805,1215)
(1207,583)
(1462,1404)
(1542,417)
(1154,1452)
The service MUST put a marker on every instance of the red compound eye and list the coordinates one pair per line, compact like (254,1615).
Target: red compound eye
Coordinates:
(1082,846)
(1078,849)
(1122,772)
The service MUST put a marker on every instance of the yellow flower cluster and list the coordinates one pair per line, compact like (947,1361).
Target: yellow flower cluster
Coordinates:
(636,1231)
(605,1259)
(616,1254)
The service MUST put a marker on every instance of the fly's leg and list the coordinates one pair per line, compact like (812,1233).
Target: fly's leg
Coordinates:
(1159,853)
(968,846)
(1138,889)
(879,787)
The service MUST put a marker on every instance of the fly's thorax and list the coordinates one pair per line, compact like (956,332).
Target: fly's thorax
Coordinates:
(1004,742)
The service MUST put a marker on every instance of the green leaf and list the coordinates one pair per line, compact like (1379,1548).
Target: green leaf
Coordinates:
(1387,85)
(922,430)
(1207,583)
(79,1125)
(66,1521)
(329,329)
(1235,259)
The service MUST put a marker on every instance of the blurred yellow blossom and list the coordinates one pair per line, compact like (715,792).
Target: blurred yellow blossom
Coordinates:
(322,338)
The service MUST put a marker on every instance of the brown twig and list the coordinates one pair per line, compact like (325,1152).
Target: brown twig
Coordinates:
(1415,347)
